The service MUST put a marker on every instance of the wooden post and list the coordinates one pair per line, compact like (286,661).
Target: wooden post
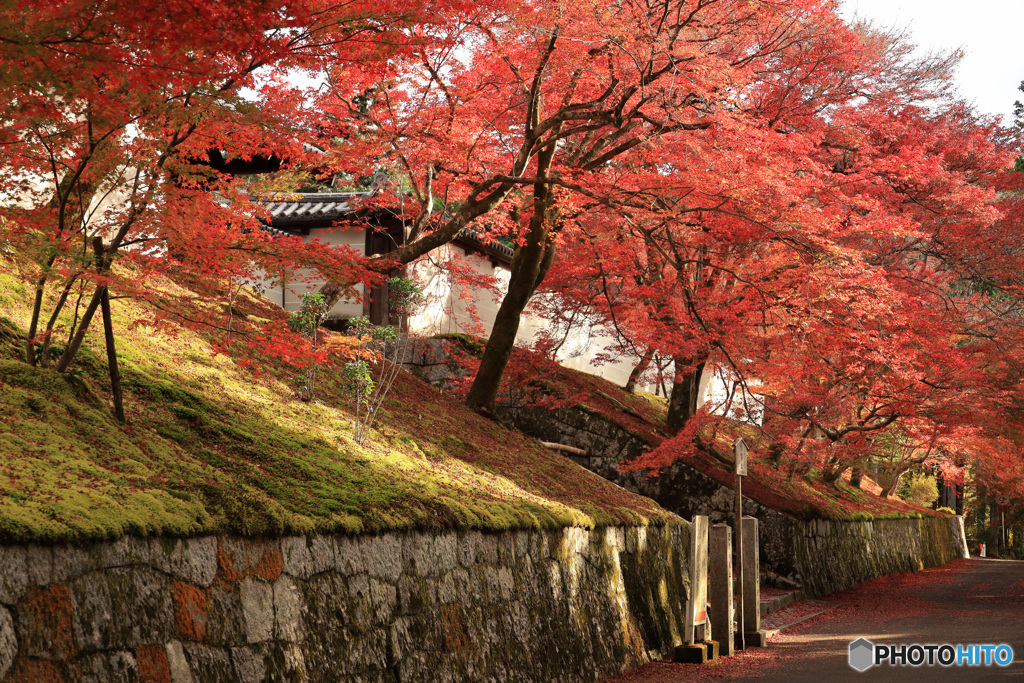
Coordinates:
(720,588)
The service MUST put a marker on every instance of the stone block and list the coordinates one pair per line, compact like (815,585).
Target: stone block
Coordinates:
(208,663)
(691,654)
(93,613)
(249,665)
(288,625)
(193,559)
(13,573)
(295,664)
(257,599)
(349,557)
(191,611)
(296,559)
(324,553)
(44,623)
(522,544)
(755,638)
(446,589)
(412,596)
(152,663)
(39,564)
(383,600)
(399,639)
(225,620)
(124,552)
(263,559)
(232,559)
(70,562)
(381,556)
(143,611)
(8,642)
(178,665)
(106,667)
(466,548)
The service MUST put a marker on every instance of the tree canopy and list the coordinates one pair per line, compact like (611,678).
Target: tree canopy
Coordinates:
(758,188)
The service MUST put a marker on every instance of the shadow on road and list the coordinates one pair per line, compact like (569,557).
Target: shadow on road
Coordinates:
(976,601)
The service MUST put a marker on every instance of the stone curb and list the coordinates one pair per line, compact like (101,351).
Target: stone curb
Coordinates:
(771,632)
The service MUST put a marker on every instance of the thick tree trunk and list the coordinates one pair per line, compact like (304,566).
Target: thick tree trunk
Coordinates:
(857,474)
(682,404)
(833,472)
(641,367)
(529,266)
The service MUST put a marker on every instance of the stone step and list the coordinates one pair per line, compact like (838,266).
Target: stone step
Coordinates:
(776,602)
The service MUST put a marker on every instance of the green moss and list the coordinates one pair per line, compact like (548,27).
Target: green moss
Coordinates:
(209,447)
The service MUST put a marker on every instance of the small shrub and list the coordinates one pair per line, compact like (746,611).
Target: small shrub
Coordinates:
(388,346)
(922,490)
(946,510)
(306,321)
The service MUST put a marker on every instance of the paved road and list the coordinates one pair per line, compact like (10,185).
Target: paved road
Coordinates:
(968,601)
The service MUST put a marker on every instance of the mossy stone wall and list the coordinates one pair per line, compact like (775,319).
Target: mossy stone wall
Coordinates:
(566,605)
(832,555)
(824,556)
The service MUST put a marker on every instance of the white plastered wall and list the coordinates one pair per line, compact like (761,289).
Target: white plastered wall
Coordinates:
(449,310)
(289,294)
(453,308)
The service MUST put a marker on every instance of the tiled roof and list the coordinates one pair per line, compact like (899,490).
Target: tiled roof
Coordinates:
(294,208)
(304,208)
(490,246)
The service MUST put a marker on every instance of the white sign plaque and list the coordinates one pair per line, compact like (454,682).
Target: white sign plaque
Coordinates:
(739,447)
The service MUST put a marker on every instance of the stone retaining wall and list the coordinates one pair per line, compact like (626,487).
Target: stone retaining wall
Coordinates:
(833,556)
(824,556)
(568,605)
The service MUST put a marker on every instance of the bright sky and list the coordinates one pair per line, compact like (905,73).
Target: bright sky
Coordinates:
(988,30)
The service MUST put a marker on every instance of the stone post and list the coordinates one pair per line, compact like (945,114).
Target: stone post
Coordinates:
(720,587)
(693,649)
(753,635)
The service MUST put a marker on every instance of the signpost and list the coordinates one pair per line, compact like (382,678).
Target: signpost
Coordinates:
(739,449)
(1001,500)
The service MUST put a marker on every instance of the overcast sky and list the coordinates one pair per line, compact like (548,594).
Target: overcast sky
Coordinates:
(990,32)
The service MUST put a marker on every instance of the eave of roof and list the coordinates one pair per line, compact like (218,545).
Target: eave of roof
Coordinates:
(309,208)
(299,209)
(472,239)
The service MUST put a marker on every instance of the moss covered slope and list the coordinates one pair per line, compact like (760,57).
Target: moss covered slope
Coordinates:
(210,447)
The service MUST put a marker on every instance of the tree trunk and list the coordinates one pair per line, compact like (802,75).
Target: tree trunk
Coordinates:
(641,367)
(75,342)
(682,404)
(857,474)
(529,266)
(115,373)
(833,472)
